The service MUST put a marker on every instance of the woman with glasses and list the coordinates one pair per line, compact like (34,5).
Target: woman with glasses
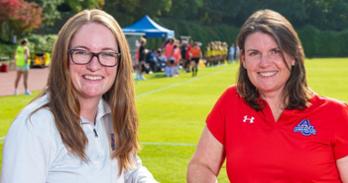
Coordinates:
(271,127)
(83,128)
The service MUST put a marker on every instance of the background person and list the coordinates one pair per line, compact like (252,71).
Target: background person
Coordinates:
(196,55)
(84,126)
(141,66)
(271,127)
(231,53)
(176,59)
(22,58)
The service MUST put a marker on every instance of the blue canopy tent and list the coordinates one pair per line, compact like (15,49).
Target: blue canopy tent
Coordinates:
(150,28)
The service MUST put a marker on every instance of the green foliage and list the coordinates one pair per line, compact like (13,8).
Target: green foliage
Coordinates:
(309,36)
(183,9)
(50,12)
(342,43)
(153,7)
(128,11)
(327,15)
(78,5)
(202,33)
(323,43)
(322,24)
(41,43)
(7,50)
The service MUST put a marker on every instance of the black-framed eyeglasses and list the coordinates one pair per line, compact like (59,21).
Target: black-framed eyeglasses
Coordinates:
(105,58)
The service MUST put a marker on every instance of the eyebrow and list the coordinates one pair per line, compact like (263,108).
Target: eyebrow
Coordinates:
(253,49)
(103,49)
(248,50)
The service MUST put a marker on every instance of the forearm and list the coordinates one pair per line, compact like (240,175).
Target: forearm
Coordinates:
(199,173)
(342,165)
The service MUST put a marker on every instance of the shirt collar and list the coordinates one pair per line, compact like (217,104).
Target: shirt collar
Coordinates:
(103,109)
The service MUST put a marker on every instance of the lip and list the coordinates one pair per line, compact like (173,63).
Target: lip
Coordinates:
(267,73)
(92,77)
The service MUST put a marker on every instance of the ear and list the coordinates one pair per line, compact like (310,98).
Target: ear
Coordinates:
(242,59)
(293,61)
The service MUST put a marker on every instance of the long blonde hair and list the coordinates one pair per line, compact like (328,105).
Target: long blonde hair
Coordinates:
(63,102)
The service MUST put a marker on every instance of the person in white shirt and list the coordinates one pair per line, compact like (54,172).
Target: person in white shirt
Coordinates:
(83,128)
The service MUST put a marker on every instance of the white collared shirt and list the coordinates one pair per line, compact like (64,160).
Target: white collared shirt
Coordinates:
(34,151)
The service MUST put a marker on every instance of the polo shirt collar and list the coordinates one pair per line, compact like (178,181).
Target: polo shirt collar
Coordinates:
(103,109)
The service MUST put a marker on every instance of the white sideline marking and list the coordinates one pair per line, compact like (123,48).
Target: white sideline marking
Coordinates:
(168,144)
(176,84)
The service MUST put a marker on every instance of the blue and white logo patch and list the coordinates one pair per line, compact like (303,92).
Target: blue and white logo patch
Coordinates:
(305,128)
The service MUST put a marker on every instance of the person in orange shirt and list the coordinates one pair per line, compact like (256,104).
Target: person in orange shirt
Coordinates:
(196,55)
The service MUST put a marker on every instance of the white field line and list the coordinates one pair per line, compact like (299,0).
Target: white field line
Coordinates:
(160,89)
(167,144)
(156,91)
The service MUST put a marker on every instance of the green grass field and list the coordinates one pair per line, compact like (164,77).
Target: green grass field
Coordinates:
(172,111)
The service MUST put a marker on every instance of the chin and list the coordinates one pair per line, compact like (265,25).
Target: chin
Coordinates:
(92,94)
(266,89)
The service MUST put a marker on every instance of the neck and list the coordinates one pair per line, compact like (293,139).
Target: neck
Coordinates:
(276,103)
(88,108)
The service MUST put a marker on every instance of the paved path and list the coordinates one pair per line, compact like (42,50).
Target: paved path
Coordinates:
(37,81)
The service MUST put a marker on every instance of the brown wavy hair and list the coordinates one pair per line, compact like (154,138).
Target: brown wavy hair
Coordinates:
(63,101)
(296,91)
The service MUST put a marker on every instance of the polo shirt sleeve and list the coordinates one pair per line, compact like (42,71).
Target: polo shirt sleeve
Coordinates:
(341,134)
(27,149)
(216,118)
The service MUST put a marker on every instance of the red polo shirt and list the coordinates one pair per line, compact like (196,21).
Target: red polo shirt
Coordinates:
(301,147)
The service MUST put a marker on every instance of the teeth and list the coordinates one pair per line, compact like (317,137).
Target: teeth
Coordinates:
(94,78)
(268,74)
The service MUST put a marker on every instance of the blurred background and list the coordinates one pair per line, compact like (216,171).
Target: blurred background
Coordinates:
(322,24)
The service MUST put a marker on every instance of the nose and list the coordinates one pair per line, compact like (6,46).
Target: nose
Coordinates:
(264,60)
(94,64)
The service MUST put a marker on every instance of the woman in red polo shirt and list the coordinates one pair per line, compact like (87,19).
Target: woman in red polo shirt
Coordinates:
(271,127)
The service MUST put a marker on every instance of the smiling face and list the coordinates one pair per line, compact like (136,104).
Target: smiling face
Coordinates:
(266,68)
(92,80)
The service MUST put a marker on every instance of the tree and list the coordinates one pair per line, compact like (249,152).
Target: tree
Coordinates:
(50,12)
(18,17)
(153,7)
(127,11)
(327,15)
(8,8)
(27,17)
(78,5)
(187,10)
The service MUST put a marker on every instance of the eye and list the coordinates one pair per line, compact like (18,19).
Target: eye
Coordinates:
(253,53)
(108,54)
(275,51)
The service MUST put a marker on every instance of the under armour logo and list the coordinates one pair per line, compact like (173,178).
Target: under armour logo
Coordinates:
(246,118)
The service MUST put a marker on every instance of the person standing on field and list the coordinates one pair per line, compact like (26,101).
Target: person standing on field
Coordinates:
(196,55)
(22,58)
